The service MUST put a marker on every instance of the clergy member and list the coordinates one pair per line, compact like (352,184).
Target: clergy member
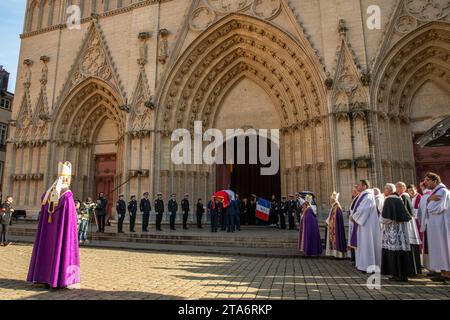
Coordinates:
(336,244)
(415,200)
(352,235)
(437,221)
(413,231)
(55,261)
(367,229)
(396,259)
(309,242)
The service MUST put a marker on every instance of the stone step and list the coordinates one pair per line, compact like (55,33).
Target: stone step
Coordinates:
(144,239)
(167,248)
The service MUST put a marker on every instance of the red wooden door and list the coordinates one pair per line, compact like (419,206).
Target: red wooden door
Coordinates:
(105,172)
(435,159)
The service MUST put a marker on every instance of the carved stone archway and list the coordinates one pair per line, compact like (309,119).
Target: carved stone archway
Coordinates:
(75,128)
(421,56)
(234,47)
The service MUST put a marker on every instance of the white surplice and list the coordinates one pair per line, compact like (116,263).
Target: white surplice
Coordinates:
(368,252)
(437,220)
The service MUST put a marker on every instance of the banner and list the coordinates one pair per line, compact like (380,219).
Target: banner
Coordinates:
(263,209)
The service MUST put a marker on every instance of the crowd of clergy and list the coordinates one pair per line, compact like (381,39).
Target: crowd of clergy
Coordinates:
(397,231)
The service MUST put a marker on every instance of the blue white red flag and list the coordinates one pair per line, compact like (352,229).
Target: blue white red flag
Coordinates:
(263,209)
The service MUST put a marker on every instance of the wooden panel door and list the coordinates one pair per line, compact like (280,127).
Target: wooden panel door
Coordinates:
(105,172)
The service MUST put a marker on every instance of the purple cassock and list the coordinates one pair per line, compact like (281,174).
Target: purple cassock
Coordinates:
(336,242)
(309,242)
(55,260)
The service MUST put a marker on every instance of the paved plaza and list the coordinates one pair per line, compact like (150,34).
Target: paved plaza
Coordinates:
(134,275)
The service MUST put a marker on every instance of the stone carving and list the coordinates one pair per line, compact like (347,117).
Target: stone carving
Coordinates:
(93,62)
(428,10)
(163,53)
(202,18)
(266,9)
(226,6)
(405,24)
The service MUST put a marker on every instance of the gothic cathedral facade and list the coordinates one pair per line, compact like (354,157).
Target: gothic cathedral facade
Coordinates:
(348,98)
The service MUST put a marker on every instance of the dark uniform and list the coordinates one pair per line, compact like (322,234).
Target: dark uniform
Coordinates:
(274,212)
(145,208)
(292,213)
(200,212)
(185,208)
(159,208)
(216,211)
(132,209)
(284,209)
(173,208)
(121,209)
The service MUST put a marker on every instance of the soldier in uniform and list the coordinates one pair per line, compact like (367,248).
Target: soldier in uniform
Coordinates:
(145,207)
(121,209)
(185,208)
(172,208)
(292,211)
(284,209)
(132,209)
(274,212)
(159,209)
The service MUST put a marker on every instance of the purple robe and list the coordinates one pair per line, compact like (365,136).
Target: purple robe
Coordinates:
(55,260)
(309,242)
(336,241)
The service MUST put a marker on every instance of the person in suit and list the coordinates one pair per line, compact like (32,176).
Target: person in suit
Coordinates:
(145,207)
(159,209)
(200,211)
(244,211)
(237,218)
(100,212)
(292,211)
(284,209)
(121,209)
(232,212)
(6,212)
(216,211)
(172,207)
(132,211)
(185,208)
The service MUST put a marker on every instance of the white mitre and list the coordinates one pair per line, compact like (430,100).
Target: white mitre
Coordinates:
(53,194)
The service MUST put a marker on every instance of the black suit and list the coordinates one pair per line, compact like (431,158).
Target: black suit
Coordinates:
(100,212)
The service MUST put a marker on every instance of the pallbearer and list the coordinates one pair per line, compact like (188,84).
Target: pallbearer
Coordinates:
(55,261)
(336,244)
(309,242)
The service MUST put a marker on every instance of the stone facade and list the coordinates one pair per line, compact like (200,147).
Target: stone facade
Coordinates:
(348,100)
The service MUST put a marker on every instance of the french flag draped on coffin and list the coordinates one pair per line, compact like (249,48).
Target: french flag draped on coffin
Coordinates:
(263,209)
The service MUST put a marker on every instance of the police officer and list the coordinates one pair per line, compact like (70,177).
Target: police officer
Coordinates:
(292,211)
(172,208)
(132,209)
(274,212)
(159,208)
(121,209)
(185,208)
(284,209)
(145,207)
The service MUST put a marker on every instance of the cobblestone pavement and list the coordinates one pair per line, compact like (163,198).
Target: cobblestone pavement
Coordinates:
(114,274)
